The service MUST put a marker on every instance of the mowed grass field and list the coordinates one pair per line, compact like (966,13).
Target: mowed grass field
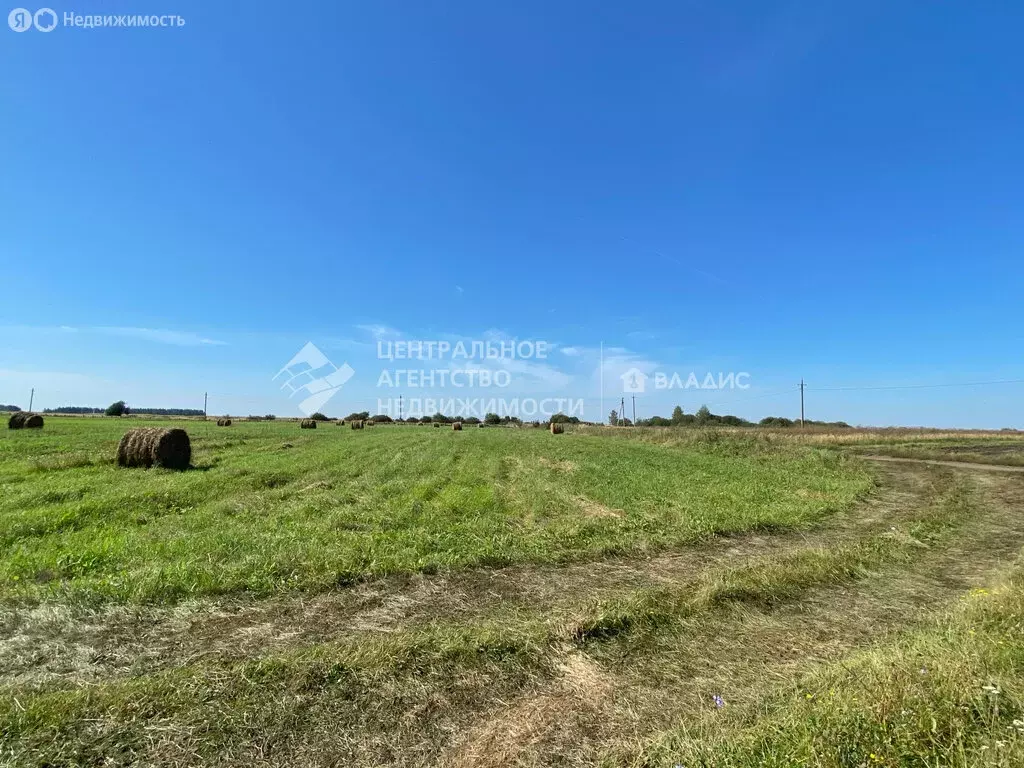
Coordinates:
(270,508)
(421,597)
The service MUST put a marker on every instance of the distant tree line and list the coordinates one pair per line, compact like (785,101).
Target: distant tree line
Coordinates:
(12,408)
(705,418)
(120,409)
(440,418)
(168,411)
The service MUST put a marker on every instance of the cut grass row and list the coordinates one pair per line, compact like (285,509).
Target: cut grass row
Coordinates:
(337,506)
(204,710)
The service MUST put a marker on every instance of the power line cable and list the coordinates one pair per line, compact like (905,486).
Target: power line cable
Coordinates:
(917,386)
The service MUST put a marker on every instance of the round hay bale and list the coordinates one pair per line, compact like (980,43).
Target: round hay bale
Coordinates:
(307,424)
(33,421)
(369,423)
(17,420)
(556,428)
(341,422)
(152,446)
(223,422)
(357,425)
(457,426)
(437,425)
(481,425)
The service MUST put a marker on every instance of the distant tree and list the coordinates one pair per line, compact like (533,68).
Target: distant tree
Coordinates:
(440,418)
(733,421)
(269,417)
(361,416)
(776,421)
(561,418)
(166,411)
(704,416)
(492,418)
(626,423)
(11,408)
(613,418)
(677,416)
(424,419)
(116,409)
(472,420)
(382,419)
(319,417)
(658,421)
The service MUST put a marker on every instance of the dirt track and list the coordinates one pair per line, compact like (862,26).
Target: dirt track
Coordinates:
(954,464)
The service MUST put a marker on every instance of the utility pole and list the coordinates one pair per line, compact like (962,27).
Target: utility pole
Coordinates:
(31,399)
(801,403)
(634,410)
(399,407)
(205,400)
(622,412)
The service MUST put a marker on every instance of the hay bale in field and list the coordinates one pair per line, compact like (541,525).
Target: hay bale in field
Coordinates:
(341,422)
(556,428)
(152,446)
(33,421)
(307,424)
(481,425)
(369,423)
(357,425)
(437,425)
(17,420)
(457,426)
(223,422)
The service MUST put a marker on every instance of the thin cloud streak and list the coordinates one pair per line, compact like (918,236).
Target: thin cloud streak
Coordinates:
(158,335)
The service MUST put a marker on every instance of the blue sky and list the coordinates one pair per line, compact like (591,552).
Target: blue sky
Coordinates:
(821,190)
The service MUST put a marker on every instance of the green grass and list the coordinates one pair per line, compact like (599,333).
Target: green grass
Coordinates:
(229,616)
(340,505)
(949,694)
(347,698)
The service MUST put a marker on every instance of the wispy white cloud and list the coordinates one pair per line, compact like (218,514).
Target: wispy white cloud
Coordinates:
(460,289)
(159,335)
(380,331)
(642,335)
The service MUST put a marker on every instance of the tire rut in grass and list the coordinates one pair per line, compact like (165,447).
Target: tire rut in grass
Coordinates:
(583,702)
(69,643)
(672,676)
